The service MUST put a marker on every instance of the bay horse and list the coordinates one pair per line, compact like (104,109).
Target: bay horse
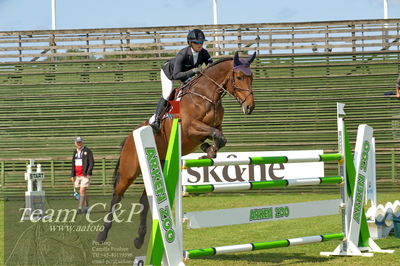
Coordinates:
(201,114)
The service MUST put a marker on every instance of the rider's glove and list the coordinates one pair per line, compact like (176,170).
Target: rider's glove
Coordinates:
(198,69)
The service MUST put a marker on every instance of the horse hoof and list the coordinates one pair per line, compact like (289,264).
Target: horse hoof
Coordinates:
(204,147)
(138,243)
(212,155)
(101,237)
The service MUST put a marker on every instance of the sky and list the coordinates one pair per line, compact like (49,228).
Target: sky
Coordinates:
(86,14)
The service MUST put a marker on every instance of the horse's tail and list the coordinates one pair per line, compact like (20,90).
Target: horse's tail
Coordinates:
(117,176)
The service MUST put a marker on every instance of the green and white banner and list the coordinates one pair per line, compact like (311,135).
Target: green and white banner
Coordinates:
(157,194)
(362,154)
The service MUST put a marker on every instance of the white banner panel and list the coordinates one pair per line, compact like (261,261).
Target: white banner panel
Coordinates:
(202,219)
(241,173)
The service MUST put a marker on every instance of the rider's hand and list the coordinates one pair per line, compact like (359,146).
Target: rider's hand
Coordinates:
(198,69)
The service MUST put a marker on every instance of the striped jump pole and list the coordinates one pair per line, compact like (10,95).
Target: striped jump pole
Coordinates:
(261,160)
(262,184)
(198,253)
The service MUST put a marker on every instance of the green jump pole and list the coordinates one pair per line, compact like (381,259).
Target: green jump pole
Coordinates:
(262,184)
(198,253)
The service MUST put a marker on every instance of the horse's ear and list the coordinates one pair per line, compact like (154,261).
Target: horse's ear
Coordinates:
(236,61)
(251,58)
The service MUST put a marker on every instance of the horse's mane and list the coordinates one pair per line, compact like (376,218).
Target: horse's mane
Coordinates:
(196,78)
(219,61)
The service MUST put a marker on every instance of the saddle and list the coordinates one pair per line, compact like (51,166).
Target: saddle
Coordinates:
(175,97)
(176,94)
(173,103)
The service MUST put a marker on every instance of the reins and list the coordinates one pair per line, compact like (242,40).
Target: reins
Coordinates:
(220,87)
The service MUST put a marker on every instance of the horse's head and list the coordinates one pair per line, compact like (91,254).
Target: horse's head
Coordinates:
(241,83)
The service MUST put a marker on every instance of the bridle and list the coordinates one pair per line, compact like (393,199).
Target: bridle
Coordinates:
(223,90)
(250,91)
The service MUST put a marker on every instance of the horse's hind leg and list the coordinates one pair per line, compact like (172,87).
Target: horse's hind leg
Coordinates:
(126,172)
(138,242)
(119,190)
(102,236)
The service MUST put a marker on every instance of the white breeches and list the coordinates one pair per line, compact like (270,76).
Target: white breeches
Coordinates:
(166,84)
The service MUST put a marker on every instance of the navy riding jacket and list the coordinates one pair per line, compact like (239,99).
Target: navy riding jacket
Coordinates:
(180,67)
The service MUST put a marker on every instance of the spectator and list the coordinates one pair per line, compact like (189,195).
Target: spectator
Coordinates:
(81,172)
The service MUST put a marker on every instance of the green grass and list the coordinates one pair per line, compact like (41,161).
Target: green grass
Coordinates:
(122,234)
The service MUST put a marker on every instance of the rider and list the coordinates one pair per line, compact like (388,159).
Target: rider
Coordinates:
(186,64)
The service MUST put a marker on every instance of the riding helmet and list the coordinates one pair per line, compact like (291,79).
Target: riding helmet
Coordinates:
(196,35)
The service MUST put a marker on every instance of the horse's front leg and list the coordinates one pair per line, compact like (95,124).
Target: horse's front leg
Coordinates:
(218,141)
(205,131)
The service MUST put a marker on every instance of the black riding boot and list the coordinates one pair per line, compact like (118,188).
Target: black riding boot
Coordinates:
(156,125)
